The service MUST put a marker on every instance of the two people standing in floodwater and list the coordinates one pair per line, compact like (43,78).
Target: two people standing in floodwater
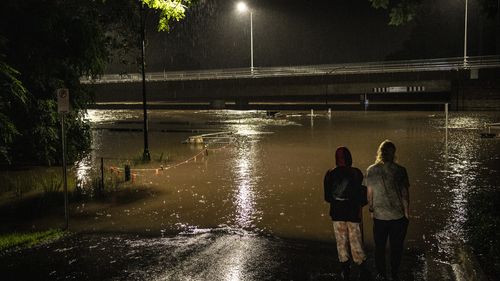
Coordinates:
(343,190)
(388,198)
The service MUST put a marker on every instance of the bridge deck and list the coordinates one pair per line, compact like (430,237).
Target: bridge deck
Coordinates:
(444,64)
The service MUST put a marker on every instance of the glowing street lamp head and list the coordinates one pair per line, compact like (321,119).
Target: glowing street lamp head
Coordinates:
(242,7)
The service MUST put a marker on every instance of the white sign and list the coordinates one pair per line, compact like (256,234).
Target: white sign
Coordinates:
(62,100)
(397,89)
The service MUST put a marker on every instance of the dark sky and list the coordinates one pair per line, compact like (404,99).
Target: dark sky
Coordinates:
(305,32)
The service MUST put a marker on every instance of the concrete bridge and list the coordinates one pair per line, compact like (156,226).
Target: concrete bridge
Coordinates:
(473,84)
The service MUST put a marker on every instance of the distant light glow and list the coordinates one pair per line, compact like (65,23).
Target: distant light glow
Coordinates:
(245,195)
(99,116)
(242,7)
(84,170)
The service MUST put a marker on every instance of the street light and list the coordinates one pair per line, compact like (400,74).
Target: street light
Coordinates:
(465,33)
(242,7)
(146,155)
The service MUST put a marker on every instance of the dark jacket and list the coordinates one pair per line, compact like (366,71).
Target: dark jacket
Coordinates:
(343,188)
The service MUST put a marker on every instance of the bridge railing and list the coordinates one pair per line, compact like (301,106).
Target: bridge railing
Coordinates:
(442,64)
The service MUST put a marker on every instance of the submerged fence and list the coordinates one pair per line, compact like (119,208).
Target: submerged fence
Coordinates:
(109,172)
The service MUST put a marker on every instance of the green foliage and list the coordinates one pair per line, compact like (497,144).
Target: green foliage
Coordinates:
(41,180)
(10,85)
(170,10)
(17,184)
(45,147)
(79,130)
(51,183)
(13,92)
(377,4)
(12,240)
(51,44)
(404,11)
(400,11)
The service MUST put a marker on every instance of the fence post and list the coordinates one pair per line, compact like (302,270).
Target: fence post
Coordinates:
(127,172)
(446,114)
(102,174)
(446,120)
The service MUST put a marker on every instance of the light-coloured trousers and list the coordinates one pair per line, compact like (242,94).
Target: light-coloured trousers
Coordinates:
(349,234)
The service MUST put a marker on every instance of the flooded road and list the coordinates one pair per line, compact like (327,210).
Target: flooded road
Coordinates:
(216,254)
(268,180)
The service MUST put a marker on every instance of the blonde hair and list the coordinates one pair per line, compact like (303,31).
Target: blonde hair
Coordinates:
(386,152)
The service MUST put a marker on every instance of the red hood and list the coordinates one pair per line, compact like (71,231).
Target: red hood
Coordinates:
(343,157)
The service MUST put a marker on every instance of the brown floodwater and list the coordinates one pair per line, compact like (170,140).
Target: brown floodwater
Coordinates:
(269,178)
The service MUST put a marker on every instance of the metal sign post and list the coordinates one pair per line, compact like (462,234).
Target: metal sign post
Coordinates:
(146,156)
(62,109)
(446,121)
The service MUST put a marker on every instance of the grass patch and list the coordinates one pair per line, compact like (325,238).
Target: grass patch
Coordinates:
(16,183)
(14,240)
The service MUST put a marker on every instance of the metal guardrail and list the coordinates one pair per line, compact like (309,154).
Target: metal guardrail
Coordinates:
(444,64)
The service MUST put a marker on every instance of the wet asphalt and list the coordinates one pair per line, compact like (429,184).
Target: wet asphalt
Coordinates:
(219,254)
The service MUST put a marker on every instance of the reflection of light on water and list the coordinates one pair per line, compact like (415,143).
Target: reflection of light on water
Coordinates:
(100,116)
(461,173)
(84,170)
(251,118)
(246,177)
(246,181)
(465,122)
(235,265)
(245,130)
(241,252)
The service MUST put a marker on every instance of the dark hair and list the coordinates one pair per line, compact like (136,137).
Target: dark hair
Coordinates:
(386,152)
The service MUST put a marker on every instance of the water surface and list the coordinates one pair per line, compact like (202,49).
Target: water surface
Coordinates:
(269,179)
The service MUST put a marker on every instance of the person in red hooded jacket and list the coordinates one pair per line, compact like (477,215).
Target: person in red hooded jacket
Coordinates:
(344,191)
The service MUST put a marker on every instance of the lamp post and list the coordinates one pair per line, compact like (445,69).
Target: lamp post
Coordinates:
(242,7)
(465,33)
(145,156)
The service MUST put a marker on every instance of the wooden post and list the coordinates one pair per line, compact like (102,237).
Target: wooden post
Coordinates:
(446,121)
(102,174)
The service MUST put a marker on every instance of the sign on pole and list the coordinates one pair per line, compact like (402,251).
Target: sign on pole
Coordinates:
(62,100)
(63,108)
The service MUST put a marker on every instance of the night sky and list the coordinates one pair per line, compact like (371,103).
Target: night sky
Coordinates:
(306,32)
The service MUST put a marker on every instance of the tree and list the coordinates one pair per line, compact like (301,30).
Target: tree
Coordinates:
(170,10)
(51,44)
(405,11)
(400,11)
(13,92)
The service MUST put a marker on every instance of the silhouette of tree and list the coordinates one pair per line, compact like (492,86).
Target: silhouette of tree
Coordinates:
(51,44)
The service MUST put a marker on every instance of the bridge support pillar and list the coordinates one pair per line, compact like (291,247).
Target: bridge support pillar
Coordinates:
(242,104)
(218,104)
(476,94)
